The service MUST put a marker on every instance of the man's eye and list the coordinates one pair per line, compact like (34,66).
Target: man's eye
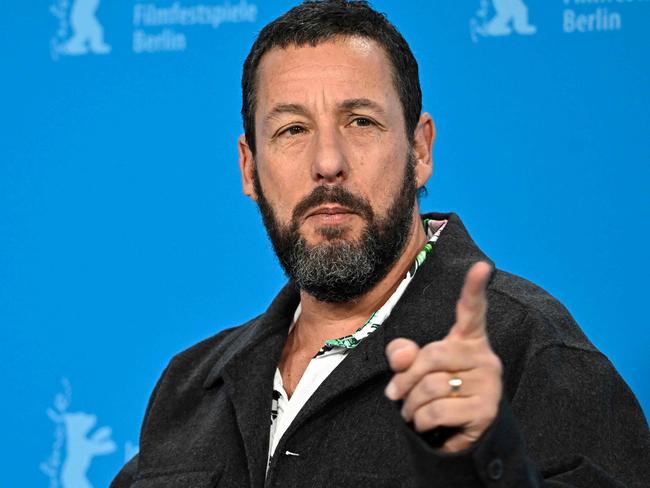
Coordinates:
(294,130)
(362,122)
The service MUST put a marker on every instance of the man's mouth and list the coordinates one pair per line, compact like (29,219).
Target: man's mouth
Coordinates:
(330,213)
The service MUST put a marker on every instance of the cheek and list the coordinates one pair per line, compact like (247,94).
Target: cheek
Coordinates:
(289,147)
(381,177)
(282,191)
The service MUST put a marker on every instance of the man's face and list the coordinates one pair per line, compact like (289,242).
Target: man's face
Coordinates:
(334,174)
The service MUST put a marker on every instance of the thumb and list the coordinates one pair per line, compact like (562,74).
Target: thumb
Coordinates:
(472,304)
(401,353)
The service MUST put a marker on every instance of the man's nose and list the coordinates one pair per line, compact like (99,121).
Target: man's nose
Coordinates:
(330,164)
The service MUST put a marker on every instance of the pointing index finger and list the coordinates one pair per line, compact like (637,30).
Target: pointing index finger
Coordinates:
(472,304)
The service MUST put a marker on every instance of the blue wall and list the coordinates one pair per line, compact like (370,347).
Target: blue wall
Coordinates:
(124,236)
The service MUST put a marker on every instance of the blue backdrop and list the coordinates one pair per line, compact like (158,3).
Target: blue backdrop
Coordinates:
(124,236)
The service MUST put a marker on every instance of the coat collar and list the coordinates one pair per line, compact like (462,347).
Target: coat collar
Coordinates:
(424,313)
(275,321)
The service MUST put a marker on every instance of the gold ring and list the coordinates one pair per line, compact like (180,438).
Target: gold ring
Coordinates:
(454,384)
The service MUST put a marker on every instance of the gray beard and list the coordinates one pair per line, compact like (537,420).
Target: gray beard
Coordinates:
(335,272)
(338,270)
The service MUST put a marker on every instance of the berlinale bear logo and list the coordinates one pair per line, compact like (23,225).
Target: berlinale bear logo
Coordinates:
(79,32)
(508,16)
(74,449)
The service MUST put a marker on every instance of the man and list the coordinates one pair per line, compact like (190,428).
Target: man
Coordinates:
(380,364)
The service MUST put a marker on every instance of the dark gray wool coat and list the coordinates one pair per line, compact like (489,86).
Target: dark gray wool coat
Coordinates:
(567,418)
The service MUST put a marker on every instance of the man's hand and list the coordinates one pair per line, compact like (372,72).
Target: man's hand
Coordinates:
(455,382)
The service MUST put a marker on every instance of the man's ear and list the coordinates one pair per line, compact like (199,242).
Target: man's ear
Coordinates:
(246,167)
(425,133)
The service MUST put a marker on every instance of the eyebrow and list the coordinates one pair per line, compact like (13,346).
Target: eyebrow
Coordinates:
(356,103)
(345,106)
(284,108)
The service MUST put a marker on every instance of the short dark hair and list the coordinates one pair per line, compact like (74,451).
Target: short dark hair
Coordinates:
(316,21)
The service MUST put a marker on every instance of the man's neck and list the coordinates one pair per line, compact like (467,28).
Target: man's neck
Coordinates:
(320,321)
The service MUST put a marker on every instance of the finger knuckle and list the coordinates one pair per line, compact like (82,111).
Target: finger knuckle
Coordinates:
(422,420)
(399,382)
(431,350)
(435,410)
(492,362)
(407,409)
(429,385)
(496,364)
(432,362)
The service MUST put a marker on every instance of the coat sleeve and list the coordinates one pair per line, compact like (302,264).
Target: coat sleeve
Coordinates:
(125,477)
(572,422)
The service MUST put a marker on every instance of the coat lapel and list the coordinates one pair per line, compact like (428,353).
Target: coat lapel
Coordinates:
(247,374)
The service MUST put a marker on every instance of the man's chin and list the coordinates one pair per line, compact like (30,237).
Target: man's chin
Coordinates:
(332,234)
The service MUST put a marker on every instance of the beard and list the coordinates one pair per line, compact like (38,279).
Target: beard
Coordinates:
(339,270)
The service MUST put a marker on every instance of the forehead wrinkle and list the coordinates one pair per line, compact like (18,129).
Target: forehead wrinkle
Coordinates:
(284,71)
(287,71)
(286,108)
